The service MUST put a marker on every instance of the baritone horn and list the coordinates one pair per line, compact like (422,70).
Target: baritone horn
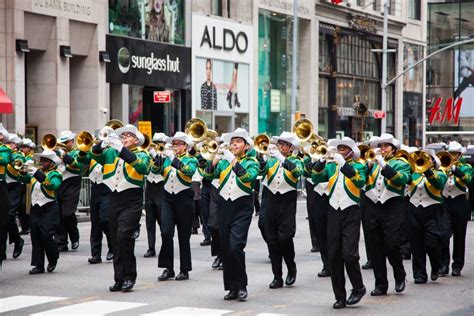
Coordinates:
(261,143)
(84,141)
(196,129)
(208,148)
(420,161)
(446,160)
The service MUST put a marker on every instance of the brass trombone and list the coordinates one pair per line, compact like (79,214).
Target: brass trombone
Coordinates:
(196,129)
(49,141)
(420,161)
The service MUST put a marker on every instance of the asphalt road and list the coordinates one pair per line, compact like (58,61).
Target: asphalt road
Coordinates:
(77,287)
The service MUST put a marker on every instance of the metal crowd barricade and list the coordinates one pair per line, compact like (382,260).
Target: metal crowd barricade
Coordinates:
(85,195)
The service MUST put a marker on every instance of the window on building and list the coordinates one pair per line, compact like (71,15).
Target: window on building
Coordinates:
(216,7)
(391,7)
(360,3)
(414,9)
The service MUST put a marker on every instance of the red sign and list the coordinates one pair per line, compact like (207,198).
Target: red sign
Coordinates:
(161,96)
(449,114)
(336,1)
(379,114)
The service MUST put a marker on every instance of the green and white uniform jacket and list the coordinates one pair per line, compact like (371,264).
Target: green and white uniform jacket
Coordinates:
(119,175)
(42,193)
(343,191)
(379,188)
(426,191)
(154,176)
(456,185)
(11,173)
(75,169)
(278,179)
(177,180)
(6,157)
(94,169)
(322,187)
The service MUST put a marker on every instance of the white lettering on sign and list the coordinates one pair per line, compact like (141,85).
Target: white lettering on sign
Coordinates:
(72,7)
(151,63)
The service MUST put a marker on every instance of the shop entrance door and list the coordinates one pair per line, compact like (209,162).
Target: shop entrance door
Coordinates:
(223,123)
(164,117)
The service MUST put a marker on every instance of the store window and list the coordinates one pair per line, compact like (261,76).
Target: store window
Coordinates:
(164,19)
(274,72)
(414,9)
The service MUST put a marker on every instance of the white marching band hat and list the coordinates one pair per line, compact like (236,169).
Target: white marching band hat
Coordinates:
(132,129)
(66,136)
(181,136)
(346,141)
(289,138)
(51,155)
(238,133)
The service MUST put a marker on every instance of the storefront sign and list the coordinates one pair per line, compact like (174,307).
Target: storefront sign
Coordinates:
(448,114)
(145,128)
(346,111)
(275,99)
(161,96)
(226,39)
(363,24)
(140,62)
(82,10)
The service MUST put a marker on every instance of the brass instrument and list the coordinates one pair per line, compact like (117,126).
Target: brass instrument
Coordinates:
(114,124)
(446,160)
(363,149)
(370,154)
(310,141)
(420,161)
(303,129)
(261,143)
(208,148)
(22,167)
(84,141)
(147,143)
(402,153)
(196,129)
(49,141)
(211,134)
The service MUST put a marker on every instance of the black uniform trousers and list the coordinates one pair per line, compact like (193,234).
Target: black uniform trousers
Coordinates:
(153,204)
(457,216)
(322,202)
(280,228)
(125,211)
(383,223)
(368,249)
(405,229)
(261,216)
(68,198)
(343,249)
(4,206)
(14,193)
(177,211)
(204,203)
(23,216)
(311,208)
(99,213)
(256,196)
(196,187)
(213,222)
(425,238)
(44,221)
(234,222)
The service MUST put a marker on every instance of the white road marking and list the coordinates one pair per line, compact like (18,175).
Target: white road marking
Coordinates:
(92,308)
(190,311)
(22,301)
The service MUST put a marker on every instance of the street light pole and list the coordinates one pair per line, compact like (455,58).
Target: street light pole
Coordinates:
(384,65)
(294,64)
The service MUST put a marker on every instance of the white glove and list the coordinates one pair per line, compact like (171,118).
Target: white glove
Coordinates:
(104,143)
(170,154)
(279,156)
(321,160)
(339,159)
(29,162)
(32,171)
(152,152)
(380,160)
(115,143)
(265,157)
(227,155)
(453,168)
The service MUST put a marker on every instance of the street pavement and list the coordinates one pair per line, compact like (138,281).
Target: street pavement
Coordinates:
(77,287)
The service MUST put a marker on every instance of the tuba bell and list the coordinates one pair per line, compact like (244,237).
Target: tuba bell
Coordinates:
(446,160)
(114,124)
(420,161)
(84,141)
(196,129)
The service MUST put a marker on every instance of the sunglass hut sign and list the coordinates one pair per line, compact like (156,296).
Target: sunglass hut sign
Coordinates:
(149,63)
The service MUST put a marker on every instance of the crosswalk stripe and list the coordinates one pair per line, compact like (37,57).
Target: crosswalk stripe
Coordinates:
(190,311)
(269,314)
(22,301)
(92,308)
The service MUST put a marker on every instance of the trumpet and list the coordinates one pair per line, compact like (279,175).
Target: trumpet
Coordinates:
(22,167)
(420,161)
(196,129)
(446,160)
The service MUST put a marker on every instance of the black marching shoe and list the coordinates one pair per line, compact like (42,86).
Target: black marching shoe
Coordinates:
(217,262)
(117,287)
(232,295)
(75,245)
(63,249)
(406,256)
(378,292)
(182,276)
(205,242)
(276,283)
(51,266)
(36,270)
(443,271)
(243,294)
(110,256)
(194,231)
(150,253)
(290,278)
(400,286)
(18,248)
(456,272)
(127,286)
(356,296)
(339,304)
(167,274)
(420,281)
(94,260)
(315,249)
(367,265)
(324,273)
(434,275)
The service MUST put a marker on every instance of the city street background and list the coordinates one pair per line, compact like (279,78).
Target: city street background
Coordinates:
(83,285)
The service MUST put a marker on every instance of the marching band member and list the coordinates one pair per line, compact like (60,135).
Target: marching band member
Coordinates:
(318,193)
(405,229)
(5,158)
(177,168)
(204,202)
(153,199)
(280,175)
(385,188)
(14,194)
(68,194)
(345,177)
(99,208)
(125,167)
(425,209)
(27,148)
(44,218)
(237,168)
(458,210)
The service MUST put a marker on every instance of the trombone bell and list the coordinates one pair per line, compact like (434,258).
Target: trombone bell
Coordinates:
(84,141)
(196,129)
